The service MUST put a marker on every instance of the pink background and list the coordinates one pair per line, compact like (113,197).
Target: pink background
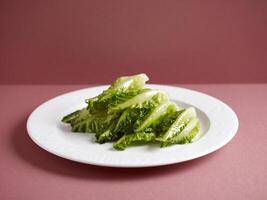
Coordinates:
(94,41)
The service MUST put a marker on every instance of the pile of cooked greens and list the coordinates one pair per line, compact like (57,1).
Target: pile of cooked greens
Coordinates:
(128,113)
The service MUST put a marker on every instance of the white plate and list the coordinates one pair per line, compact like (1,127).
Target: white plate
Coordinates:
(218,121)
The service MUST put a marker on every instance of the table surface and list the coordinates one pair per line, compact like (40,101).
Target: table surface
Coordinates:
(237,171)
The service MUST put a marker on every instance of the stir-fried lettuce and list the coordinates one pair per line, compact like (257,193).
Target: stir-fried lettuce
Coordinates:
(128,114)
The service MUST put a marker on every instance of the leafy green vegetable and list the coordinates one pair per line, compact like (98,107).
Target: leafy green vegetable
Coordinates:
(81,115)
(70,117)
(108,135)
(129,114)
(154,96)
(166,122)
(186,135)
(134,138)
(156,114)
(93,123)
(180,123)
(122,88)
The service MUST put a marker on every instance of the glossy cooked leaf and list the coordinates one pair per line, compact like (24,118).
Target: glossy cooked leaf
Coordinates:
(115,97)
(186,135)
(166,122)
(122,85)
(125,121)
(122,96)
(180,123)
(108,135)
(70,117)
(96,123)
(82,115)
(129,119)
(134,138)
(155,115)
(130,82)
(155,96)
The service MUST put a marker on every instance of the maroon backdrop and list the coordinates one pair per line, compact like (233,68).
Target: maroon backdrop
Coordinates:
(93,41)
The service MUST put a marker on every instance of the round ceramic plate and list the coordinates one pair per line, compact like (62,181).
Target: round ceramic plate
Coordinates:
(218,121)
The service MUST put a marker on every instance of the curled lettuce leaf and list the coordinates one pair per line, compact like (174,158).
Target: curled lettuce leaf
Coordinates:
(123,87)
(186,135)
(134,138)
(152,96)
(180,123)
(156,114)
(93,123)
(130,82)
(71,117)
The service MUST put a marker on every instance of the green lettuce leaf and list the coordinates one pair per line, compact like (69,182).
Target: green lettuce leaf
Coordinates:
(155,116)
(186,135)
(180,122)
(93,123)
(134,138)
(108,135)
(151,96)
(122,88)
(70,117)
